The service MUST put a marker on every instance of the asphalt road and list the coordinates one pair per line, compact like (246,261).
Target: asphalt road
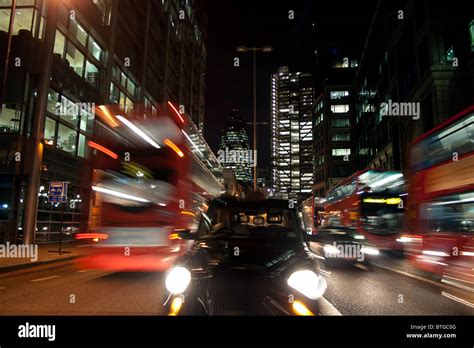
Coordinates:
(372,290)
(63,289)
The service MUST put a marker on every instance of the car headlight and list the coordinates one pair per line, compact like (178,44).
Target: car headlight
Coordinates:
(308,283)
(178,280)
(369,251)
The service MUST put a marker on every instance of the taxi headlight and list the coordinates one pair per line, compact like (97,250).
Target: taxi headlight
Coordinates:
(178,280)
(308,283)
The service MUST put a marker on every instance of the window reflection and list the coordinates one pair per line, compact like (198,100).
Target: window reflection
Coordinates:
(53,98)
(75,59)
(81,151)
(49,131)
(95,49)
(10,118)
(66,139)
(59,43)
(23,20)
(69,111)
(78,32)
(92,74)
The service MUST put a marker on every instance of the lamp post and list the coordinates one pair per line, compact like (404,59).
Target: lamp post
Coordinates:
(254,50)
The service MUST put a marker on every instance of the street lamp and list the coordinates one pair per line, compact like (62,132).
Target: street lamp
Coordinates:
(254,50)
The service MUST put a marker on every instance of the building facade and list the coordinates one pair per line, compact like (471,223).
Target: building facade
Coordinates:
(234,149)
(333,118)
(292,97)
(420,53)
(65,54)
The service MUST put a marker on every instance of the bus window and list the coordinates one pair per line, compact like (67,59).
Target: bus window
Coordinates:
(452,214)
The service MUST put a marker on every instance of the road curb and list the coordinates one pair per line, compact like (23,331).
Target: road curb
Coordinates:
(8,269)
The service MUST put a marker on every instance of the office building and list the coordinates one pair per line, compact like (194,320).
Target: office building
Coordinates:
(234,150)
(422,53)
(292,97)
(88,52)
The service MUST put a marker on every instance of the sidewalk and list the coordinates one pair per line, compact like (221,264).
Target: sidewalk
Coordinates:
(73,250)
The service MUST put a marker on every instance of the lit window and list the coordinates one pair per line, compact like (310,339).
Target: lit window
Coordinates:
(10,118)
(340,109)
(59,43)
(95,49)
(341,152)
(79,32)
(53,98)
(87,120)
(66,139)
(49,131)
(23,19)
(92,74)
(340,122)
(81,151)
(114,94)
(339,94)
(450,55)
(68,111)
(131,88)
(319,119)
(75,59)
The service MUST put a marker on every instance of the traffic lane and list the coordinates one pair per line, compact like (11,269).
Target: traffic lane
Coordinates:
(375,291)
(70,291)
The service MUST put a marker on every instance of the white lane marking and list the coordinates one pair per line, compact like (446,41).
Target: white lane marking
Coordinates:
(432,282)
(457,299)
(45,278)
(460,286)
(327,308)
(362,267)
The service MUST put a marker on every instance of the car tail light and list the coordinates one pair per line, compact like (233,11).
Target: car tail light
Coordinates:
(94,236)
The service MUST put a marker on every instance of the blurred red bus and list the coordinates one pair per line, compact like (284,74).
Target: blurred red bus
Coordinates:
(311,210)
(440,219)
(147,185)
(372,201)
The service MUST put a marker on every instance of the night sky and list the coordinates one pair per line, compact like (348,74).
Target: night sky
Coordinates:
(264,22)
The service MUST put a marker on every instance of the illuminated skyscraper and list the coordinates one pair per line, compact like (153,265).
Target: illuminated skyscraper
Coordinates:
(234,150)
(292,136)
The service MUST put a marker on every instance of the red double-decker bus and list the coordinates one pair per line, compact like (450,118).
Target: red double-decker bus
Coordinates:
(312,210)
(372,201)
(440,215)
(148,183)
